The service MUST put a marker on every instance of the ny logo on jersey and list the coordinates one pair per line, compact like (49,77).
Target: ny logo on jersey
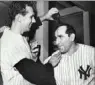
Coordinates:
(86,72)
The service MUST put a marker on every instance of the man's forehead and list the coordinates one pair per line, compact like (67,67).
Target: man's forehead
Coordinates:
(29,9)
(61,30)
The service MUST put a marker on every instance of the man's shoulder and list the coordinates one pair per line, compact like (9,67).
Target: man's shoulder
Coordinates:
(3,28)
(87,47)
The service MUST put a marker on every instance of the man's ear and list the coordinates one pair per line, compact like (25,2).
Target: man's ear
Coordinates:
(18,17)
(72,37)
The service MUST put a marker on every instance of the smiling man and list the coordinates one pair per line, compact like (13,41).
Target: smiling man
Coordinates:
(77,64)
(17,65)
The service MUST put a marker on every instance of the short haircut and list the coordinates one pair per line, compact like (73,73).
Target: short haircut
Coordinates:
(17,7)
(70,29)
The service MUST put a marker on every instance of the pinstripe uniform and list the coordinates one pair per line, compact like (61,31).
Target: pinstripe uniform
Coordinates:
(72,70)
(13,49)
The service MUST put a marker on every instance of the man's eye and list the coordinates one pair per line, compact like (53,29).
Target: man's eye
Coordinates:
(60,36)
(31,16)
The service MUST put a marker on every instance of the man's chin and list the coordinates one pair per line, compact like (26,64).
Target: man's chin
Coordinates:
(62,52)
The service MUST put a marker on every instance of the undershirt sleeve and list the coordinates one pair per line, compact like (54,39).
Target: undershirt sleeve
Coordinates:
(38,21)
(36,73)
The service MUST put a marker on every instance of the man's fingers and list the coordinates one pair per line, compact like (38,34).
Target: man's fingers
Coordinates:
(54,10)
(57,55)
(56,58)
(33,44)
(36,50)
(56,52)
(59,58)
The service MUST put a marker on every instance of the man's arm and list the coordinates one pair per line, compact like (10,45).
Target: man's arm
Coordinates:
(48,15)
(35,73)
(54,59)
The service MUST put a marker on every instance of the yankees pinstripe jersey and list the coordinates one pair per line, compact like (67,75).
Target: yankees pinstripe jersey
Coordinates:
(77,69)
(13,49)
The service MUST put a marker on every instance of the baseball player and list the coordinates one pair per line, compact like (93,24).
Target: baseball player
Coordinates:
(77,63)
(17,65)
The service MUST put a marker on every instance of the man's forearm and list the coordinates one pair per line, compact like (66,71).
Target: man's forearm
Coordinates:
(35,73)
(43,18)
(48,15)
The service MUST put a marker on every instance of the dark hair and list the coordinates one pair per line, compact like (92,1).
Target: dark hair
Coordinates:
(19,7)
(70,29)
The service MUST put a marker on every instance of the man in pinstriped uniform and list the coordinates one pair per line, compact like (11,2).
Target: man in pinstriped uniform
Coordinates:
(17,65)
(77,64)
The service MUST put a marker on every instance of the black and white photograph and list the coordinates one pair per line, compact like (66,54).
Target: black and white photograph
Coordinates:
(45,42)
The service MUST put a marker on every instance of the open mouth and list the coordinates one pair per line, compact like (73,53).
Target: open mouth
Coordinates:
(61,47)
(30,25)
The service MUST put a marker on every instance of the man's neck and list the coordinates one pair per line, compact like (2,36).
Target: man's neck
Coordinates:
(16,28)
(73,49)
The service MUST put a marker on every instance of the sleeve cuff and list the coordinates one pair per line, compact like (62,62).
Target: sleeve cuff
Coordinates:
(38,21)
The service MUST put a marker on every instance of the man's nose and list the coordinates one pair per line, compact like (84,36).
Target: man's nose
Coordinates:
(33,20)
(57,41)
